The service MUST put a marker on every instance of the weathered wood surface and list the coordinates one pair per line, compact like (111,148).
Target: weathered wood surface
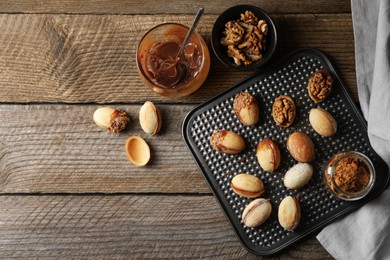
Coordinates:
(59,149)
(169,6)
(126,226)
(91,58)
(84,52)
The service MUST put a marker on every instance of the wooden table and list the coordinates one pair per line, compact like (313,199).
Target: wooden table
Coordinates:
(67,189)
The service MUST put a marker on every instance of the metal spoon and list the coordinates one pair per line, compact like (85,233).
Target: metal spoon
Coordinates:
(169,67)
(190,31)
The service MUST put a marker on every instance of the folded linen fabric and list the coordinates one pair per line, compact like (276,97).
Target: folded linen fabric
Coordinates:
(365,233)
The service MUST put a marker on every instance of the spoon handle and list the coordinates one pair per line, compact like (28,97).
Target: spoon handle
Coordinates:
(191,30)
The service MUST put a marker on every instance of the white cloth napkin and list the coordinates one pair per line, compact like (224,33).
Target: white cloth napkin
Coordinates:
(365,233)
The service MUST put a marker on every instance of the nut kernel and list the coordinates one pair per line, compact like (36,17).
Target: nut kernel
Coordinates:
(246,108)
(322,122)
(114,120)
(150,118)
(227,142)
(256,212)
(263,26)
(247,185)
(268,155)
(320,85)
(245,39)
(289,213)
(298,175)
(283,111)
(301,147)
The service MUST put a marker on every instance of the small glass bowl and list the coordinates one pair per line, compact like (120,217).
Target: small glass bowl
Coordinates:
(329,176)
(168,32)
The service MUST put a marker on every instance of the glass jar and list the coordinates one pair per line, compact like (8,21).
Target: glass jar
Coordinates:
(161,69)
(349,175)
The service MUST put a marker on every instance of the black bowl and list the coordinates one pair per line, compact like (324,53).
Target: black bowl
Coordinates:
(233,13)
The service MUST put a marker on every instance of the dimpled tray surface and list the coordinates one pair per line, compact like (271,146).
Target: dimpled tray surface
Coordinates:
(319,207)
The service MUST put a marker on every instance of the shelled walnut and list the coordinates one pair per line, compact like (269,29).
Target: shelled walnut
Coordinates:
(245,38)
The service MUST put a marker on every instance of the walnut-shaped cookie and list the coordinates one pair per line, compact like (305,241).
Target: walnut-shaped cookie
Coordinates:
(320,85)
(246,108)
(283,111)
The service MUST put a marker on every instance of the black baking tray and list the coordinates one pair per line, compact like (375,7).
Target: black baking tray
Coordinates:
(288,76)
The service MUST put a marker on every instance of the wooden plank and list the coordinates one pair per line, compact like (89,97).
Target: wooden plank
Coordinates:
(332,35)
(169,6)
(59,149)
(124,227)
(90,58)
